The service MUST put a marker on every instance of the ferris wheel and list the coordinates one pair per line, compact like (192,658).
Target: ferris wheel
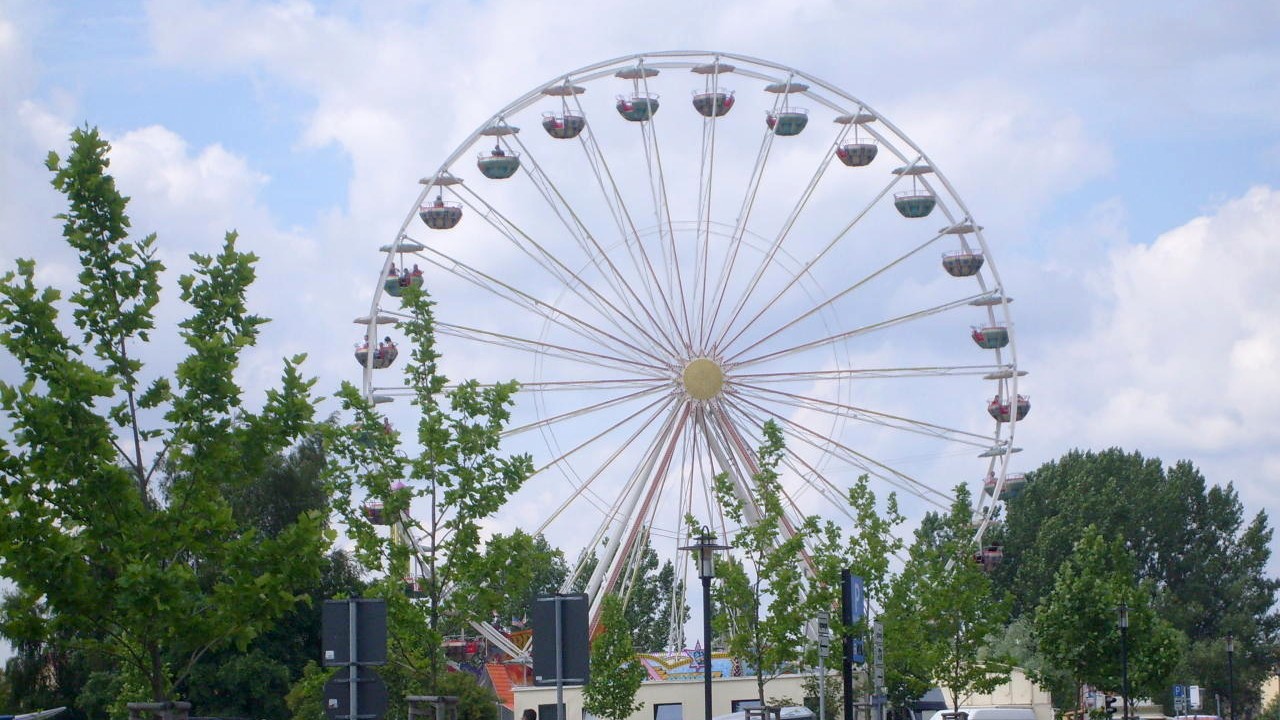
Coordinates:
(668,250)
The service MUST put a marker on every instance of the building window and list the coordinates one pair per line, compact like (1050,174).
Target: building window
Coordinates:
(740,705)
(548,712)
(668,711)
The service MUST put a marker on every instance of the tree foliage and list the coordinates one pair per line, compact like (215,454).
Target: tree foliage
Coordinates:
(115,523)
(454,479)
(942,615)
(1204,561)
(615,677)
(651,599)
(790,568)
(1077,626)
(434,495)
(761,608)
(519,567)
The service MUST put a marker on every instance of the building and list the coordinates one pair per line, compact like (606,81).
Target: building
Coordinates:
(667,699)
(681,697)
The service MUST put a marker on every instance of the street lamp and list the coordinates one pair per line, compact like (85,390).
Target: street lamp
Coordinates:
(1231,676)
(1124,660)
(706,547)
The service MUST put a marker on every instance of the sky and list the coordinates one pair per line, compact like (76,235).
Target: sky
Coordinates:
(1123,158)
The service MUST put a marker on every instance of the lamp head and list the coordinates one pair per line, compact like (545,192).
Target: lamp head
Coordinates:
(706,546)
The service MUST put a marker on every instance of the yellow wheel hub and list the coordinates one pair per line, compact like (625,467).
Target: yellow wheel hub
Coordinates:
(703,379)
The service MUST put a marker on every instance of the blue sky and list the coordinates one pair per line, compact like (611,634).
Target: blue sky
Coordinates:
(1124,158)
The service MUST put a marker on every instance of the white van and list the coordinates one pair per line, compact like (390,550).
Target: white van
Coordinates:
(1007,712)
(790,712)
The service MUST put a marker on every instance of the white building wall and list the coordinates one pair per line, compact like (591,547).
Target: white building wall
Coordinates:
(688,694)
(1018,692)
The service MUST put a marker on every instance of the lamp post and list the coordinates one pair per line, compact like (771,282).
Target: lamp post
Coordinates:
(1124,660)
(1231,676)
(706,547)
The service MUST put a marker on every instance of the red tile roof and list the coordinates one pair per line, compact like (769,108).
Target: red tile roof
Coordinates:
(504,678)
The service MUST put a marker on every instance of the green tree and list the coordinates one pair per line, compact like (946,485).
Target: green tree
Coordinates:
(865,551)
(1017,643)
(615,677)
(1076,627)
(233,682)
(45,673)
(1192,541)
(152,574)
(941,614)
(456,478)
(762,608)
(306,697)
(654,604)
(519,566)
(254,683)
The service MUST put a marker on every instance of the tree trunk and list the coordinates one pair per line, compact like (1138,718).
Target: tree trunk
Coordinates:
(158,693)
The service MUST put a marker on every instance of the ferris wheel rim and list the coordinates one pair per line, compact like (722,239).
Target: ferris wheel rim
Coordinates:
(955,211)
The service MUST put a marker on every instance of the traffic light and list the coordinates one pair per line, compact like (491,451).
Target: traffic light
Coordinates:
(1109,706)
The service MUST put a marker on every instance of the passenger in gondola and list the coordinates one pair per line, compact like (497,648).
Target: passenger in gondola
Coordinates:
(498,151)
(392,272)
(417,272)
(439,202)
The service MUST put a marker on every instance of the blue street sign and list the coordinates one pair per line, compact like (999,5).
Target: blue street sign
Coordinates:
(1179,690)
(858,598)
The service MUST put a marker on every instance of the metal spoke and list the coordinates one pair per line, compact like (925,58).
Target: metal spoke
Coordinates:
(809,376)
(706,177)
(549,262)
(578,355)
(662,206)
(864,462)
(629,231)
(587,242)
(608,511)
(788,522)
(744,214)
(804,271)
(830,339)
(785,231)
(659,455)
(829,301)
(842,410)
(662,404)
(584,410)
(544,310)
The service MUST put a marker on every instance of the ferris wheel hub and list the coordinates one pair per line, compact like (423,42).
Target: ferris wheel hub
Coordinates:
(703,378)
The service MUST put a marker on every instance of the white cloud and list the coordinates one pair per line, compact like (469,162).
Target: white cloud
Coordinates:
(1181,347)
(1010,153)
(199,194)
